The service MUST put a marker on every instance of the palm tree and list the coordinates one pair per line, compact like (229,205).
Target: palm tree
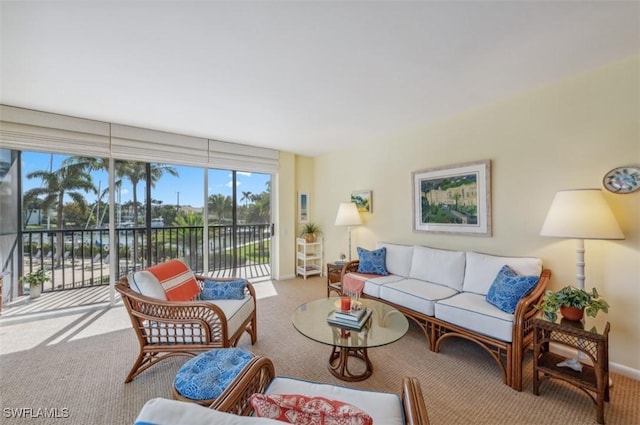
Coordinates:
(220,205)
(132,170)
(188,222)
(136,172)
(246,197)
(71,180)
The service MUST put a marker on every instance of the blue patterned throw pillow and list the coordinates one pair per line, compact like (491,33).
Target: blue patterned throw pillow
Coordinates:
(223,290)
(373,262)
(508,288)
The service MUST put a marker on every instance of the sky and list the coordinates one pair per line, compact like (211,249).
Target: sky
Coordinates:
(187,188)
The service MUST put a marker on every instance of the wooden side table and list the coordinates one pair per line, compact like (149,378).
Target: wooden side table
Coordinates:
(588,337)
(334,284)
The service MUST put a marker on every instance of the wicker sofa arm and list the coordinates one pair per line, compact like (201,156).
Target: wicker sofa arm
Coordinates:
(525,309)
(415,411)
(349,267)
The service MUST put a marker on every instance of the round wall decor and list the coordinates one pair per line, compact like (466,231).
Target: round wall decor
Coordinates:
(622,179)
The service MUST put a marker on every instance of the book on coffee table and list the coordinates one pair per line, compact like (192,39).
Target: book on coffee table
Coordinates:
(354,315)
(337,319)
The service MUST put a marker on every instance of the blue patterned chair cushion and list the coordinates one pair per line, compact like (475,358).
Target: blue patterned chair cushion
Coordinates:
(207,375)
(223,290)
(373,262)
(508,288)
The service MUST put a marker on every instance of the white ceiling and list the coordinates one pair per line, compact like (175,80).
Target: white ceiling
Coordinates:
(300,76)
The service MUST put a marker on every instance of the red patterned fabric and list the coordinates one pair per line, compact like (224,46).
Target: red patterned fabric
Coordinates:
(353,283)
(177,280)
(306,410)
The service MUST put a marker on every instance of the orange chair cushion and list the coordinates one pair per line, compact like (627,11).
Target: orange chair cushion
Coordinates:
(177,280)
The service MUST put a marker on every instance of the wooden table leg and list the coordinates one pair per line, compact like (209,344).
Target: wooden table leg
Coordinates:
(339,363)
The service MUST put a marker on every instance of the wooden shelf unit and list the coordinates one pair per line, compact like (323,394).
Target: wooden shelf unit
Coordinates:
(308,257)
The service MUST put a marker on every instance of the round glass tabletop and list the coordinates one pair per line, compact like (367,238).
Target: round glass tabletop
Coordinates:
(386,324)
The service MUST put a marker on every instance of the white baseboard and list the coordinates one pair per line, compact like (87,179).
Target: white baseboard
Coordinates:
(613,367)
(286,277)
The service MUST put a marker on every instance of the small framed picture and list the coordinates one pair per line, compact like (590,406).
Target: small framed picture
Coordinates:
(362,199)
(303,207)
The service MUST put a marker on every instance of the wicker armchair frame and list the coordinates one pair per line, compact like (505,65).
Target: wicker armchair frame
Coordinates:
(165,329)
(508,356)
(256,376)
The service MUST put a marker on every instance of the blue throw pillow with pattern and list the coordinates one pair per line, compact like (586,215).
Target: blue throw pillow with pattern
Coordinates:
(223,290)
(508,288)
(373,262)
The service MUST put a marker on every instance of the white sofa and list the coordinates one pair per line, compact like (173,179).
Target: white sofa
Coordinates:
(444,292)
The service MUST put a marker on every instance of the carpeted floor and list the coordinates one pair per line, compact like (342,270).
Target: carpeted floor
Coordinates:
(72,367)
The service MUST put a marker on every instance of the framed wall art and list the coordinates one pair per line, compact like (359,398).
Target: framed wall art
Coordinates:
(453,199)
(362,199)
(303,207)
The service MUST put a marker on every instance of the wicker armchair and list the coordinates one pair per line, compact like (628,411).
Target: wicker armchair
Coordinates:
(165,328)
(260,374)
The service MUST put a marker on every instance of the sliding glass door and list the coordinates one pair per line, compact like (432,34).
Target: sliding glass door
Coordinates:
(239,218)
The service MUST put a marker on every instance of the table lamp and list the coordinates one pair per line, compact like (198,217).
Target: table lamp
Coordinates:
(348,215)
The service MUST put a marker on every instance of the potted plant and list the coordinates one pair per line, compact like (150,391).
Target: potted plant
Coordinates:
(572,303)
(36,280)
(310,231)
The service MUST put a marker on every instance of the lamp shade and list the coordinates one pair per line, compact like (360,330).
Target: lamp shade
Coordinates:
(348,215)
(581,214)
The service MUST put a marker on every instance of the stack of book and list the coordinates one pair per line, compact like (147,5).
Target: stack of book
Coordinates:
(352,319)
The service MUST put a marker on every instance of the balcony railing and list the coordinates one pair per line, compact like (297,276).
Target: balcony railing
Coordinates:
(77,258)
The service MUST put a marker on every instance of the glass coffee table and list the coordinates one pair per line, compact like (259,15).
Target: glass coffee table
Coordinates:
(386,325)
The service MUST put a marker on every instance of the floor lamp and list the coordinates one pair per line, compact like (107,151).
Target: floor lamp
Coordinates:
(580,214)
(348,215)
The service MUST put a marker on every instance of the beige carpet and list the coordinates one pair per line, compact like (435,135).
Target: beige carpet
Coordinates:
(76,371)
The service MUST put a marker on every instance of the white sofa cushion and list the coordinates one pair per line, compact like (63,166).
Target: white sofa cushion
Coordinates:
(384,408)
(160,411)
(439,266)
(372,285)
(482,269)
(416,295)
(471,311)
(145,283)
(398,259)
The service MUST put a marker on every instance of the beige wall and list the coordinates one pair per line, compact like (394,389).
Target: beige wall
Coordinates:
(284,211)
(561,136)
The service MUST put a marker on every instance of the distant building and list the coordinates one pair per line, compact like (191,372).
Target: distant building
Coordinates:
(190,209)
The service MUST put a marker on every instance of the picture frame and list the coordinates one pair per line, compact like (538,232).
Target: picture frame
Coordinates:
(362,199)
(454,199)
(303,207)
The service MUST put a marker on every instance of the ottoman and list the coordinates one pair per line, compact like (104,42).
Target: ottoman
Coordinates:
(203,378)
